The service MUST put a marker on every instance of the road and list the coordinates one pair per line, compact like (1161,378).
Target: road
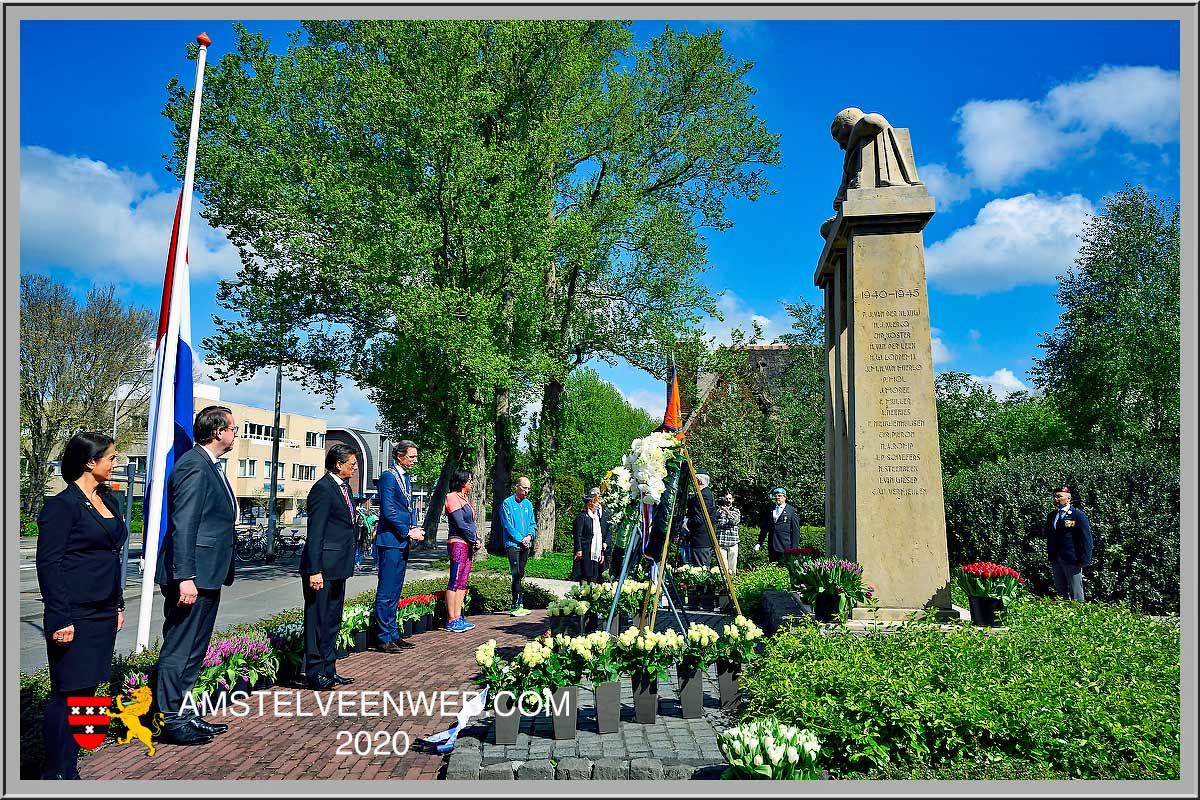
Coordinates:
(260,590)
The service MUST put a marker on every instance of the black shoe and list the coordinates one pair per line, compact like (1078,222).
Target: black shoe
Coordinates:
(321,684)
(204,726)
(342,680)
(404,644)
(185,734)
(388,647)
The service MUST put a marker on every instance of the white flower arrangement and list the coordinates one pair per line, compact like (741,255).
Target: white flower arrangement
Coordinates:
(568,607)
(647,464)
(616,494)
(767,749)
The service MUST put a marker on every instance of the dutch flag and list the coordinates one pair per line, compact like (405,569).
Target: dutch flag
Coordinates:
(171,401)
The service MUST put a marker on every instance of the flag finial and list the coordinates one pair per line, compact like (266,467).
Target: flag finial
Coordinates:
(203,40)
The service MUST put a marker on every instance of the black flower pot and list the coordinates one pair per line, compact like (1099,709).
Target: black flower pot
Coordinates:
(691,693)
(508,719)
(825,607)
(645,699)
(418,625)
(564,707)
(729,682)
(693,601)
(427,620)
(608,706)
(406,627)
(341,652)
(985,611)
(360,641)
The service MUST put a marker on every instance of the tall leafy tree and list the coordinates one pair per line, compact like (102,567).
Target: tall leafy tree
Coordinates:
(664,139)
(73,358)
(1113,360)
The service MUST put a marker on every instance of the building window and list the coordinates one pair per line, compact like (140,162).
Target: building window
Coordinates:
(314,439)
(247,467)
(139,463)
(252,430)
(278,469)
(304,472)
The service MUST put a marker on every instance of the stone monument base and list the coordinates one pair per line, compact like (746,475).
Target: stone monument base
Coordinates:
(867,614)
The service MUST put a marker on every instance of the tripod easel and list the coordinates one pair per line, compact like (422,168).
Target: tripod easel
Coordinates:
(650,602)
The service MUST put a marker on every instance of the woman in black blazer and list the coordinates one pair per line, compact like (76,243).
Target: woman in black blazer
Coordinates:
(590,521)
(80,540)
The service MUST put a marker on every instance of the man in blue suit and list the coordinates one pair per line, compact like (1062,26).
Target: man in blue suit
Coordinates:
(393,536)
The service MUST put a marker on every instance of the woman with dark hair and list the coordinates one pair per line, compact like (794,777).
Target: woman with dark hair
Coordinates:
(463,541)
(80,539)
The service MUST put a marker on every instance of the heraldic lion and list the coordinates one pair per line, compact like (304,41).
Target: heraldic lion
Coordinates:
(131,715)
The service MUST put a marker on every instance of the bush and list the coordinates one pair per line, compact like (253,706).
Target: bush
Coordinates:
(810,536)
(556,566)
(28,525)
(488,594)
(1076,690)
(749,586)
(568,495)
(996,513)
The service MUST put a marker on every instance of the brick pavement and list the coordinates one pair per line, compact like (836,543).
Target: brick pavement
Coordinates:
(298,748)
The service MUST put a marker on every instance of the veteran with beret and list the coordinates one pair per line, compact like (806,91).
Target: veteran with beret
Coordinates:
(780,527)
(1069,544)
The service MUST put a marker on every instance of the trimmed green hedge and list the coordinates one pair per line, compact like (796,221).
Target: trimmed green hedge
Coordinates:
(1075,690)
(810,536)
(996,514)
(749,586)
(556,566)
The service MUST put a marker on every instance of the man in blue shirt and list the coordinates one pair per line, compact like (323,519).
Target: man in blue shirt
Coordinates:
(517,519)
(393,537)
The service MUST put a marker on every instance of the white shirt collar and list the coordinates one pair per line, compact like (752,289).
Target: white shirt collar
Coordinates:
(1065,509)
(336,479)
(208,453)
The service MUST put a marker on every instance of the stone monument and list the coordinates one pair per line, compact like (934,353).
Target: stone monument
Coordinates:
(883,473)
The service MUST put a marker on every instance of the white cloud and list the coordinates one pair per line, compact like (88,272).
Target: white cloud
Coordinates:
(1028,239)
(653,403)
(739,315)
(85,215)
(1003,382)
(351,409)
(941,353)
(1002,140)
(947,188)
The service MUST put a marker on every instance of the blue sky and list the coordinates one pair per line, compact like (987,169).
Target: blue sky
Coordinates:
(1020,129)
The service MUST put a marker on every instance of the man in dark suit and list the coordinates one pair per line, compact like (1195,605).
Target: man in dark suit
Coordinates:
(194,561)
(325,563)
(701,541)
(1068,544)
(393,536)
(780,527)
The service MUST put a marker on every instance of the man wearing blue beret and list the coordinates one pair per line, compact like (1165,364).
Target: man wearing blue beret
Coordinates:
(1069,544)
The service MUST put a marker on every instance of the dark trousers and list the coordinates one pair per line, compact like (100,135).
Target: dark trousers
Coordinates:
(392,564)
(516,565)
(322,621)
(701,556)
(186,634)
(62,751)
(1068,580)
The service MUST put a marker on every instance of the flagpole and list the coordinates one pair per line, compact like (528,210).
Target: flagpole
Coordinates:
(164,430)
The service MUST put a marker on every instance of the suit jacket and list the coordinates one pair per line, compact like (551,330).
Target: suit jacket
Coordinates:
(78,557)
(395,511)
(1070,539)
(697,527)
(200,520)
(329,548)
(783,533)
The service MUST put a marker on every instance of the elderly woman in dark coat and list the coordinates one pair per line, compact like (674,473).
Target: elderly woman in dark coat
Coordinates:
(80,539)
(593,535)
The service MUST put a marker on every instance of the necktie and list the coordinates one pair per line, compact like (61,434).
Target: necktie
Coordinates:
(346,497)
(225,480)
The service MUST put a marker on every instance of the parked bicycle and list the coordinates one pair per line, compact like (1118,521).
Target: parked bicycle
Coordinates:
(250,544)
(291,543)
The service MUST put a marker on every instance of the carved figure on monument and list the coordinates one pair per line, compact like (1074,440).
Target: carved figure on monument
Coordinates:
(876,157)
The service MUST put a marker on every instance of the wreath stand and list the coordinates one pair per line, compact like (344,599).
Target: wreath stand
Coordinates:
(651,601)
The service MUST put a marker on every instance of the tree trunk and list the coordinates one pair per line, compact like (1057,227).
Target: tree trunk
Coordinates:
(37,468)
(502,434)
(437,499)
(478,493)
(549,432)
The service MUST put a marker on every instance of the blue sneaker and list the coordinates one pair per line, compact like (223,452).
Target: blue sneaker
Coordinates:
(466,625)
(455,626)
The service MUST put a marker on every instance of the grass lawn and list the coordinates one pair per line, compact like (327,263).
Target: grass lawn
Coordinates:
(556,566)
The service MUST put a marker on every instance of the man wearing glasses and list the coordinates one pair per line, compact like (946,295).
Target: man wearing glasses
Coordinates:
(393,539)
